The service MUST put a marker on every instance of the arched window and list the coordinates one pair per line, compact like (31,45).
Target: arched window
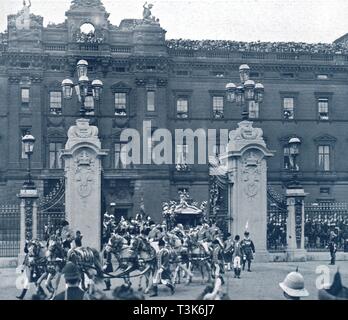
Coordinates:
(87,28)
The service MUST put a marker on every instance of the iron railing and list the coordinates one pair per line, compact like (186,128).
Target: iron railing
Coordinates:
(9,230)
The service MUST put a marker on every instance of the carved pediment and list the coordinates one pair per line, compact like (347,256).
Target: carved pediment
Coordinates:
(57,133)
(54,85)
(120,86)
(325,138)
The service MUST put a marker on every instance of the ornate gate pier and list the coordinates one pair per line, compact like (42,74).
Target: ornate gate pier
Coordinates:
(82,157)
(247,184)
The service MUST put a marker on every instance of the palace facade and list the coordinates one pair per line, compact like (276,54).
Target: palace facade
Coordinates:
(174,84)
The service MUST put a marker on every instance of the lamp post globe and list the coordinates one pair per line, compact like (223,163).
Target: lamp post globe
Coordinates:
(97,87)
(259,92)
(28,140)
(244,72)
(230,91)
(67,88)
(82,68)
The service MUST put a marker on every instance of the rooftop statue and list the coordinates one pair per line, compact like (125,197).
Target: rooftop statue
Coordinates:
(23,19)
(147,15)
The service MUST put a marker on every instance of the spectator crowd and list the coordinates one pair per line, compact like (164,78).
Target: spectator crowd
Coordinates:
(258,46)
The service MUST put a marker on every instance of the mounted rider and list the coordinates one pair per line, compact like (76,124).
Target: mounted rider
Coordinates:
(204,237)
(67,235)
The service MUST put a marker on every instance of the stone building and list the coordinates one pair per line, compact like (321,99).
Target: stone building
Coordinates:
(174,84)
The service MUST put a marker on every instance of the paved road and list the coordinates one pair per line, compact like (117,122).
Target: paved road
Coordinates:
(261,284)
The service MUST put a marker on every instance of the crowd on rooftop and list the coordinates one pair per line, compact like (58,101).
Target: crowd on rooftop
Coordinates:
(258,46)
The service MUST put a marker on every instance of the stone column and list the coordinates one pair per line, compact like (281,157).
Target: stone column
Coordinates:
(247,173)
(82,161)
(295,224)
(28,218)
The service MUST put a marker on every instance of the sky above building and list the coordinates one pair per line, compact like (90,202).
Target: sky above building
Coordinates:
(242,20)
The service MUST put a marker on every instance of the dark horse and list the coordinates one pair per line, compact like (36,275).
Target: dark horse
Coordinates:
(89,263)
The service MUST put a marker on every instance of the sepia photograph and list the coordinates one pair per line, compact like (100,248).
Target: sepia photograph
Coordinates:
(173,150)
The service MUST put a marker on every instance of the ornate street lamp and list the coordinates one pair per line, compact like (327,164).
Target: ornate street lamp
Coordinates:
(244,92)
(294,151)
(84,88)
(28,141)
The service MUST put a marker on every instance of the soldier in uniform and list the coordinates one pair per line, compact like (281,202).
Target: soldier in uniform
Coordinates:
(332,248)
(163,274)
(248,250)
(237,255)
(228,250)
(218,260)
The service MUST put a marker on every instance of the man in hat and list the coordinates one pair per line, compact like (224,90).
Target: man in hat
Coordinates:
(163,274)
(72,279)
(248,250)
(293,286)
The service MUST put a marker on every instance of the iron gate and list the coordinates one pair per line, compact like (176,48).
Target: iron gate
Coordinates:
(51,210)
(9,230)
(324,220)
(276,220)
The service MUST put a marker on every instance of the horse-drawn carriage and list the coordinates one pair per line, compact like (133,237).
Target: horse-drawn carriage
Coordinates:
(185,212)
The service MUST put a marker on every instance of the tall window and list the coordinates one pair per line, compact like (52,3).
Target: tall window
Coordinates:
(89,105)
(288,108)
(286,157)
(150,105)
(120,104)
(182,107)
(324,157)
(54,161)
(120,152)
(253,110)
(323,108)
(25,97)
(55,102)
(218,107)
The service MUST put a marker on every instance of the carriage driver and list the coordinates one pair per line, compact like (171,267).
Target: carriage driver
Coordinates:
(67,235)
